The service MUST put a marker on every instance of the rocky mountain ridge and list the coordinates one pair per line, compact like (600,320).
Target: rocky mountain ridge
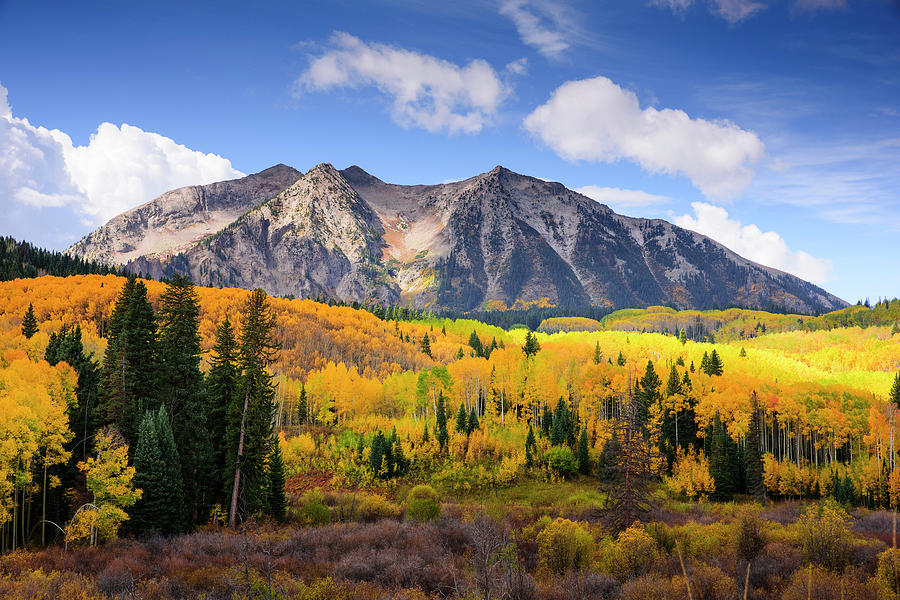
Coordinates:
(496,240)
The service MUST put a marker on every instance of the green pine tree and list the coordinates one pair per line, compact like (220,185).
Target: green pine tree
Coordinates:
(720,462)
(472,424)
(425,346)
(221,389)
(460,353)
(302,406)
(584,460)
(754,468)
(250,417)
(894,395)
(606,462)
(277,498)
(181,391)
(461,420)
(531,346)
(158,473)
(530,446)
(682,337)
(598,355)
(620,361)
(440,426)
(475,344)
(29,322)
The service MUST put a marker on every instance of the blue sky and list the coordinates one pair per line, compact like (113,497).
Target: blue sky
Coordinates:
(770,125)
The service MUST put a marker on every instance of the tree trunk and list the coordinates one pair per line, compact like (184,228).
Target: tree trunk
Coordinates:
(232,517)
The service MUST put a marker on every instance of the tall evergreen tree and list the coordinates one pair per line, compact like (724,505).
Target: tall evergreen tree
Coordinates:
(894,395)
(158,473)
(714,366)
(530,447)
(720,459)
(277,498)
(475,344)
(598,355)
(531,346)
(629,472)
(250,416)
(584,459)
(128,385)
(620,361)
(29,322)
(440,425)
(461,420)
(472,423)
(608,456)
(181,392)
(425,346)
(648,393)
(754,467)
(302,406)
(221,390)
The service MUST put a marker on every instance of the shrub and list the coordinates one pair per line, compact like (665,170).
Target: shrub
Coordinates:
(563,545)
(654,587)
(422,503)
(749,536)
(633,554)
(561,460)
(371,507)
(824,535)
(663,535)
(814,582)
(888,574)
(313,510)
(711,583)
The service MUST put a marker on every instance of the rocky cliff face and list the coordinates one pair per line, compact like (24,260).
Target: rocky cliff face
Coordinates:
(179,219)
(498,240)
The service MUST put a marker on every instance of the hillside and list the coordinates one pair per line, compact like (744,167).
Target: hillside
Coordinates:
(497,240)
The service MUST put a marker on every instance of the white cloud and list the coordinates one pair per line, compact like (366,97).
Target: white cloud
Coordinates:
(427,92)
(730,10)
(518,66)
(121,167)
(767,248)
(736,10)
(596,120)
(540,23)
(619,199)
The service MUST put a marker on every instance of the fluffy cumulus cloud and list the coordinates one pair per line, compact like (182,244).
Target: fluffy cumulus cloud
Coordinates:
(541,24)
(622,200)
(767,248)
(596,120)
(121,167)
(426,92)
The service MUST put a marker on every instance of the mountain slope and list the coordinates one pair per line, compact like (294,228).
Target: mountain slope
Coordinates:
(180,218)
(497,240)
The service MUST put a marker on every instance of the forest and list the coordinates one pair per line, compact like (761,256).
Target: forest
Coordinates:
(161,440)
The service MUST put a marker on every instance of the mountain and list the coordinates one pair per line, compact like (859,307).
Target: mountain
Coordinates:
(497,240)
(178,219)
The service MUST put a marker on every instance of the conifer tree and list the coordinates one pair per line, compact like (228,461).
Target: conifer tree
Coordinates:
(894,395)
(425,437)
(754,469)
(546,422)
(475,344)
(472,424)
(673,385)
(158,473)
(608,456)
(598,355)
(29,322)
(249,431)
(714,365)
(440,426)
(221,389)
(584,459)
(648,393)
(277,498)
(460,353)
(682,337)
(620,361)
(720,467)
(129,374)
(302,406)
(530,447)
(895,329)
(181,392)
(531,346)
(461,420)
(425,346)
